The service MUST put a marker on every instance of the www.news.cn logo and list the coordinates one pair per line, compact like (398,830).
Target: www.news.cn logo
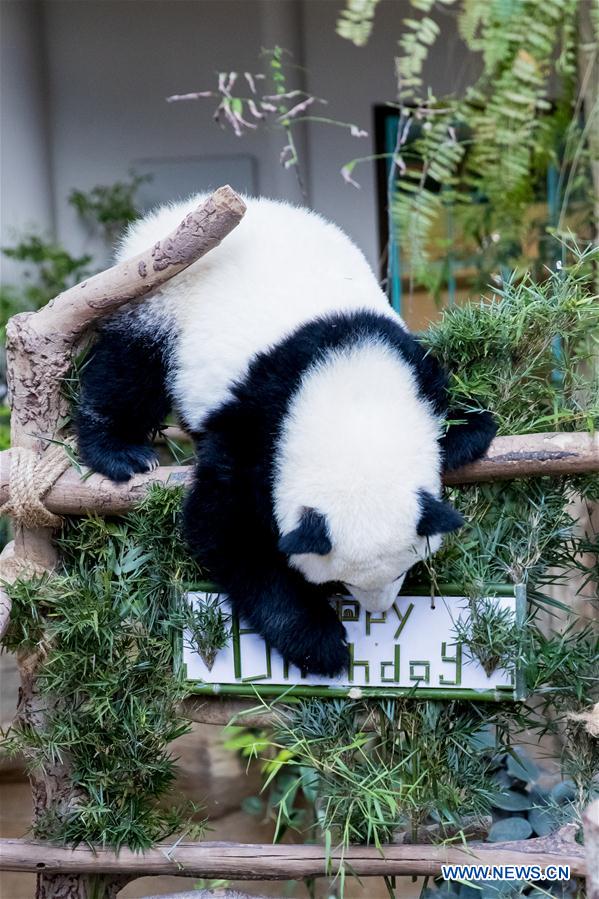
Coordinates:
(505,872)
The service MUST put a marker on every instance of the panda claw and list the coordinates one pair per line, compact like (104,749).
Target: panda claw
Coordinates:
(123,463)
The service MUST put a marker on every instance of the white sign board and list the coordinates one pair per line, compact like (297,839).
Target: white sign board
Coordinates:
(411,649)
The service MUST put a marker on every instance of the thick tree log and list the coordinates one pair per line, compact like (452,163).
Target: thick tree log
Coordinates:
(521,456)
(276,862)
(39,354)
(590,821)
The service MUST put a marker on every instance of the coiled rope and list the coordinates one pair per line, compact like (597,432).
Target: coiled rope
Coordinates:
(31,477)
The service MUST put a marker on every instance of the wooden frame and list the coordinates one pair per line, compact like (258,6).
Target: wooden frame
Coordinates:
(254,861)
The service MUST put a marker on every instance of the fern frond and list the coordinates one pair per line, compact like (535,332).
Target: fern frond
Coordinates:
(356,20)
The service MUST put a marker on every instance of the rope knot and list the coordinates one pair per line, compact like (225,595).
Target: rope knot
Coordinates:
(31,477)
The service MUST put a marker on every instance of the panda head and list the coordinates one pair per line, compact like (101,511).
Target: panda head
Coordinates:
(365,518)
(359,471)
(374,576)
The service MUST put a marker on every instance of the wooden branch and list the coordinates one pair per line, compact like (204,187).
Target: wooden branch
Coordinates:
(247,861)
(208,894)
(74,495)
(73,311)
(525,455)
(223,710)
(590,821)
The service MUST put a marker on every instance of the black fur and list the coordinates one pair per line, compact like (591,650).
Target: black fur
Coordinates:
(228,514)
(123,401)
(437,517)
(467,441)
(310,536)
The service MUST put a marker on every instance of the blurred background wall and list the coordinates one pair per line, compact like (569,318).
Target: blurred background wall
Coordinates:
(84,84)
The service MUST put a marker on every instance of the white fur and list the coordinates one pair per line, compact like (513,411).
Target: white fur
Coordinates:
(280,268)
(359,443)
(357,446)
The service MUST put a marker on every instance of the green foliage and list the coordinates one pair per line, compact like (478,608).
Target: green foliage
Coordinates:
(286,781)
(527,353)
(49,269)
(4,427)
(112,207)
(208,628)
(379,766)
(103,628)
(489,633)
(422,192)
(563,671)
(471,171)
(519,531)
(355,21)
(245,106)
(417,38)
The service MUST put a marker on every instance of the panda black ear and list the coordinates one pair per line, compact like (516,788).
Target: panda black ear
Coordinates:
(436,516)
(467,441)
(310,536)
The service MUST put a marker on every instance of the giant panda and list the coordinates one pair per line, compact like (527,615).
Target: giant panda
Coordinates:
(319,421)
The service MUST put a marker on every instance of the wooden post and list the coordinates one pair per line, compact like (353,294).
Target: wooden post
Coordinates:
(39,353)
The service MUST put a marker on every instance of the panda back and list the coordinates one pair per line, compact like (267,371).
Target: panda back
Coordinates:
(282,267)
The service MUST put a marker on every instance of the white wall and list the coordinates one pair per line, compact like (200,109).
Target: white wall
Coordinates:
(111,63)
(353,79)
(111,66)
(24,147)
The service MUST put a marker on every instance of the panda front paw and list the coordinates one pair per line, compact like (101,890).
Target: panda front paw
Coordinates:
(133,460)
(122,463)
(324,652)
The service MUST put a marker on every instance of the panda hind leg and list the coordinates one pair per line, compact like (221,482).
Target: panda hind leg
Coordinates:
(123,401)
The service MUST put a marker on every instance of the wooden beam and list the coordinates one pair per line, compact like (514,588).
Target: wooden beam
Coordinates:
(73,494)
(224,710)
(525,455)
(532,455)
(208,894)
(245,861)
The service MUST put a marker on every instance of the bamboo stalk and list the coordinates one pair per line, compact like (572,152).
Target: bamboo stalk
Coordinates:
(249,861)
